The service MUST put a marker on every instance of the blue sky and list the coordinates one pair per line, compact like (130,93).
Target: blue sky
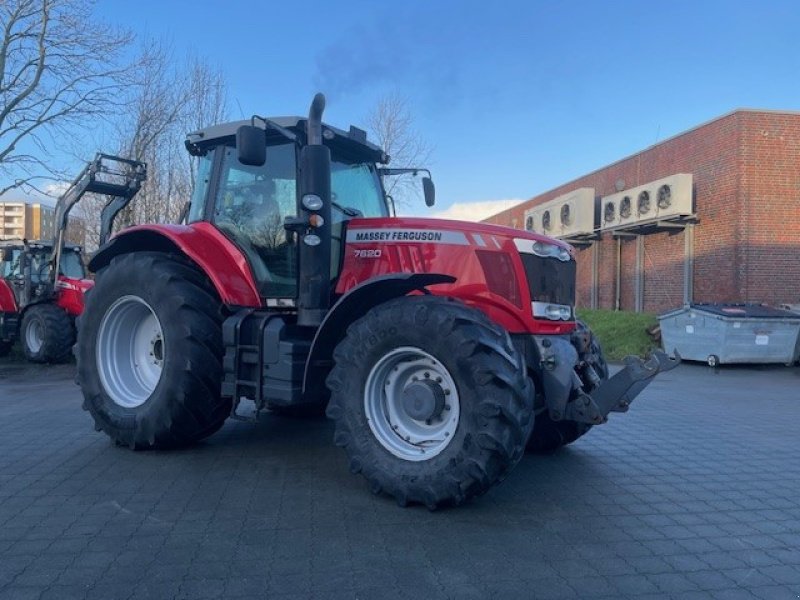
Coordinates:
(515,97)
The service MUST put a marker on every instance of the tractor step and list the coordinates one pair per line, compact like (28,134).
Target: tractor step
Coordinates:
(265,357)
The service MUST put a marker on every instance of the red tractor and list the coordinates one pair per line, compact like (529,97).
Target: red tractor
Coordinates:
(42,283)
(440,348)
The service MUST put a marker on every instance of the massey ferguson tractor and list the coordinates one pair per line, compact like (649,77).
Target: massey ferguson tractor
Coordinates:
(42,283)
(440,348)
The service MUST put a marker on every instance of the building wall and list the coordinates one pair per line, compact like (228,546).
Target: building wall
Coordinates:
(746,172)
(12,220)
(35,221)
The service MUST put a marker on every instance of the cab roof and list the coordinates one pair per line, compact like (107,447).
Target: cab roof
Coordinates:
(352,142)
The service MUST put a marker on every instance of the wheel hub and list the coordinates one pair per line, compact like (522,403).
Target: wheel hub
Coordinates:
(411,404)
(130,351)
(423,400)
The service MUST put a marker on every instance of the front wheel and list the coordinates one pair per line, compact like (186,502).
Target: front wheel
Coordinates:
(150,352)
(430,400)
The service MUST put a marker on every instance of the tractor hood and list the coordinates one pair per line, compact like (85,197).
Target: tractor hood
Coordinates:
(400,229)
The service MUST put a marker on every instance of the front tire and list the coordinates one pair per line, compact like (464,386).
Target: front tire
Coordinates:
(430,399)
(47,334)
(150,352)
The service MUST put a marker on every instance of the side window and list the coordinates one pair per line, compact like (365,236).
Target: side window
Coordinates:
(197,206)
(12,267)
(250,208)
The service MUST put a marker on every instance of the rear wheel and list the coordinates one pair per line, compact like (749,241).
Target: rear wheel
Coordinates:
(430,400)
(150,352)
(549,435)
(47,334)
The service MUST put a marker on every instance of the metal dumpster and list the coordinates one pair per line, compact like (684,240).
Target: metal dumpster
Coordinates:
(732,333)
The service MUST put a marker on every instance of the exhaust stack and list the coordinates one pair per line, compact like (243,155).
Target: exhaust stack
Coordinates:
(315,212)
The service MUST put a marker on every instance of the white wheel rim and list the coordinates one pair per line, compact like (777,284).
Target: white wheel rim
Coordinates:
(34,336)
(130,351)
(405,434)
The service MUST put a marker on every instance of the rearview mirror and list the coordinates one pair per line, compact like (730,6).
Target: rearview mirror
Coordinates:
(5,254)
(251,145)
(429,191)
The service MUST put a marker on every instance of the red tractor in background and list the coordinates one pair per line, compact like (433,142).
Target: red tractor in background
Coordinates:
(441,349)
(42,283)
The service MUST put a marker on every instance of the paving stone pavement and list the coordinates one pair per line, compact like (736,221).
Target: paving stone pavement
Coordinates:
(695,493)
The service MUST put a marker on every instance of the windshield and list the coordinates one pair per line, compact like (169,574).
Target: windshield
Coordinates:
(72,265)
(357,186)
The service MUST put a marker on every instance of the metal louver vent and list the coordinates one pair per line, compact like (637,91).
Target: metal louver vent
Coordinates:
(664,196)
(529,223)
(609,212)
(546,223)
(566,215)
(643,204)
(625,207)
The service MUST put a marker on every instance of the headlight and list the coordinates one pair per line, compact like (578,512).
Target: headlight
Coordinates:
(546,250)
(554,312)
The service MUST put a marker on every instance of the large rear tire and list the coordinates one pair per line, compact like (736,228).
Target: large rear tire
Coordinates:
(430,399)
(47,334)
(150,352)
(549,435)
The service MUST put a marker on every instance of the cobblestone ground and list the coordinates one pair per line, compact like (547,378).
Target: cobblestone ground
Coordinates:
(693,494)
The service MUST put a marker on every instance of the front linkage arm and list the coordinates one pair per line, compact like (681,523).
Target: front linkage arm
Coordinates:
(616,393)
(569,397)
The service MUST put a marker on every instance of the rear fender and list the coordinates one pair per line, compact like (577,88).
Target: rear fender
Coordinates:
(203,244)
(351,306)
(7,301)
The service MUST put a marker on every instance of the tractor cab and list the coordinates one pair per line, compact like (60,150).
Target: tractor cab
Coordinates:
(36,257)
(257,203)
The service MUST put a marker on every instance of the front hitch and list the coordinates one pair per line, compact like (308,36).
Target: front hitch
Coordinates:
(616,393)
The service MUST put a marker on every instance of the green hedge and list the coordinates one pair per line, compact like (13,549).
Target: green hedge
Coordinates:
(620,332)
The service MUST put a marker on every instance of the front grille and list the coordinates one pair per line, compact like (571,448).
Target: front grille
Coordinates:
(550,279)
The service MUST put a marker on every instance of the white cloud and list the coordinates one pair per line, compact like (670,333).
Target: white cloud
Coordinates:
(475,211)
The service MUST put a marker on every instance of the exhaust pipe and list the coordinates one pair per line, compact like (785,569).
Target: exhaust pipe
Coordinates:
(314,293)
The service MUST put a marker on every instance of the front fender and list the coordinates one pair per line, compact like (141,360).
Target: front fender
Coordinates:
(202,243)
(352,305)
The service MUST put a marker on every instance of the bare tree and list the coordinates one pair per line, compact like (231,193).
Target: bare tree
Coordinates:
(59,69)
(167,99)
(391,125)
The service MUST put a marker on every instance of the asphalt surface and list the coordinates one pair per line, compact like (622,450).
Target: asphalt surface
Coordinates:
(695,493)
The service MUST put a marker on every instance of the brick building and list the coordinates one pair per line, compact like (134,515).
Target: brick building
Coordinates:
(735,239)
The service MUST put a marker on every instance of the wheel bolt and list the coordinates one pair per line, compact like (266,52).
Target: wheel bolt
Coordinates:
(427,375)
(438,380)
(447,392)
(447,407)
